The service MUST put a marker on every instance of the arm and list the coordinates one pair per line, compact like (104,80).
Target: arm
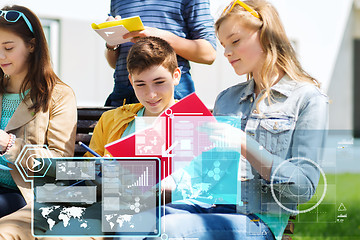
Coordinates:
(197,50)
(294,175)
(61,132)
(200,41)
(307,142)
(112,56)
(56,128)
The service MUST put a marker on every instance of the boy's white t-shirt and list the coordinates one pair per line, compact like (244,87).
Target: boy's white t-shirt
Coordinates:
(131,127)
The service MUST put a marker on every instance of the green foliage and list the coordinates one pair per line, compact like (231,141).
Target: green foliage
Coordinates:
(324,222)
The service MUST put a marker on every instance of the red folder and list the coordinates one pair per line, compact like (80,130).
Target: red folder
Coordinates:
(160,134)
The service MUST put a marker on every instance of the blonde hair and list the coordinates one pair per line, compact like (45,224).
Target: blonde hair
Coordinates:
(278,51)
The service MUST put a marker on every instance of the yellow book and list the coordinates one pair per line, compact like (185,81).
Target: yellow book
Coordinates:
(112,31)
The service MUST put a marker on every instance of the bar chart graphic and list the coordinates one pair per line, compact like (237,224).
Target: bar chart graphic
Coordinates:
(142,181)
(129,196)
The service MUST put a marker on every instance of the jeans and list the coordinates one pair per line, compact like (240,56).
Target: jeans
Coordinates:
(193,220)
(10,201)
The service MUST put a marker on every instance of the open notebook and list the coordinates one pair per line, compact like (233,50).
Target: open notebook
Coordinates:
(157,140)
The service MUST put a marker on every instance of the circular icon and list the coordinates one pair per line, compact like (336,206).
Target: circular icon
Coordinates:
(288,209)
(168,112)
(164,236)
(34,164)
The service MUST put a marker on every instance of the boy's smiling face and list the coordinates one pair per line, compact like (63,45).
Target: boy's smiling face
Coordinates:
(154,88)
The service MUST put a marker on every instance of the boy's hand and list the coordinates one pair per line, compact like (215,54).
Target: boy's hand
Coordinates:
(148,31)
(111,18)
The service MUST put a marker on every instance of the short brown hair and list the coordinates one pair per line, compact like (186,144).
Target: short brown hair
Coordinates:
(151,51)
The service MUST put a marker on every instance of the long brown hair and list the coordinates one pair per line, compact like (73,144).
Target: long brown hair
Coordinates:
(279,53)
(40,78)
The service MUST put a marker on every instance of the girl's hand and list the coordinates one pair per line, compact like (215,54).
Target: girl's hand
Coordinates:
(4,140)
(168,184)
(224,135)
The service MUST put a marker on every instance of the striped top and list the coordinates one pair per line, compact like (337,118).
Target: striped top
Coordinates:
(188,19)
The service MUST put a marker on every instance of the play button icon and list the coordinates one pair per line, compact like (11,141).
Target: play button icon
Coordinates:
(34,163)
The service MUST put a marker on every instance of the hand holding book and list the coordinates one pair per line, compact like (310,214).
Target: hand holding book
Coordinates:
(113,31)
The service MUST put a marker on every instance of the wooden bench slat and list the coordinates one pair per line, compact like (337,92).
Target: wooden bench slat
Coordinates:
(289,228)
(286,237)
(87,120)
(86,126)
(83,137)
(92,113)
(79,151)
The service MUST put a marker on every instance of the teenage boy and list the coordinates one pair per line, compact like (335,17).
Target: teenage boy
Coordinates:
(153,73)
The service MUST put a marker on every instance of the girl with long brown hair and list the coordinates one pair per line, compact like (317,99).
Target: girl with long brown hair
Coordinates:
(37,108)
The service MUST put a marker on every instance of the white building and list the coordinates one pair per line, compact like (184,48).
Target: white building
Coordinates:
(325,33)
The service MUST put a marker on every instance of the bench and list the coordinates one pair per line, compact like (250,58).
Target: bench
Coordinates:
(289,229)
(87,119)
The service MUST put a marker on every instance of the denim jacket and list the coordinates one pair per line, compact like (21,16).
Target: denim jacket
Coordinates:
(292,129)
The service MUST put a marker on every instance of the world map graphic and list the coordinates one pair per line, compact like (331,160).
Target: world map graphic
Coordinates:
(64,214)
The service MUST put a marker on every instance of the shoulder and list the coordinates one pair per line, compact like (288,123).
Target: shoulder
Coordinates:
(299,91)
(235,92)
(310,92)
(305,97)
(62,90)
(127,109)
(63,95)
(121,113)
(61,87)
(227,100)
